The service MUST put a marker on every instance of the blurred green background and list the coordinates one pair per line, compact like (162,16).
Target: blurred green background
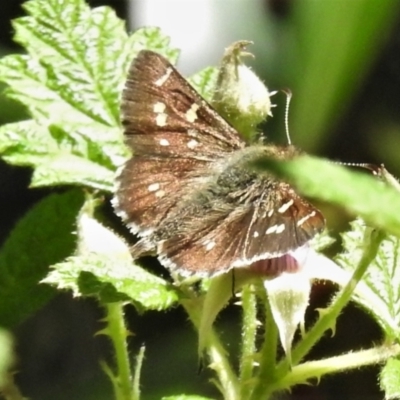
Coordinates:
(341,60)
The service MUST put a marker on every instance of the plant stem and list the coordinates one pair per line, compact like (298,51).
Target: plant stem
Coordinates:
(228,381)
(219,363)
(268,352)
(249,305)
(118,333)
(136,376)
(285,378)
(329,316)
(353,360)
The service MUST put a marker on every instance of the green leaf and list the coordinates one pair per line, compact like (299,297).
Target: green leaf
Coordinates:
(112,280)
(6,356)
(104,268)
(41,238)
(186,397)
(360,194)
(205,81)
(71,88)
(69,169)
(219,291)
(322,241)
(84,75)
(25,143)
(390,379)
(382,277)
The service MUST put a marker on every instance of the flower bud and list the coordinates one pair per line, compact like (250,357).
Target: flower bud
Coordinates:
(240,96)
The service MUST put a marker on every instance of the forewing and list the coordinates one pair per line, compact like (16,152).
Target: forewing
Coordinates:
(163,115)
(173,133)
(149,188)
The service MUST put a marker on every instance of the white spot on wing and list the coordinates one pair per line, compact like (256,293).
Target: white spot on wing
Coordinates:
(161,116)
(271,229)
(210,245)
(159,107)
(160,193)
(153,187)
(191,114)
(164,142)
(270,212)
(275,229)
(161,120)
(284,207)
(256,234)
(193,133)
(192,144)
(304,219)
(163,79)
(280,228)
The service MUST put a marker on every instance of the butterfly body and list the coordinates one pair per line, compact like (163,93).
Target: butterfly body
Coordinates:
(190,191)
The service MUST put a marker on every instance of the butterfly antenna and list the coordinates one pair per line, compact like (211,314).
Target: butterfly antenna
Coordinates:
(288,98)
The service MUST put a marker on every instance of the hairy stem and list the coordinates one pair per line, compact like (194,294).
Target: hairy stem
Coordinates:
(118,333)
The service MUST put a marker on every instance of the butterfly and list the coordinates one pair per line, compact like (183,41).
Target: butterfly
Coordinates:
(189,191)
